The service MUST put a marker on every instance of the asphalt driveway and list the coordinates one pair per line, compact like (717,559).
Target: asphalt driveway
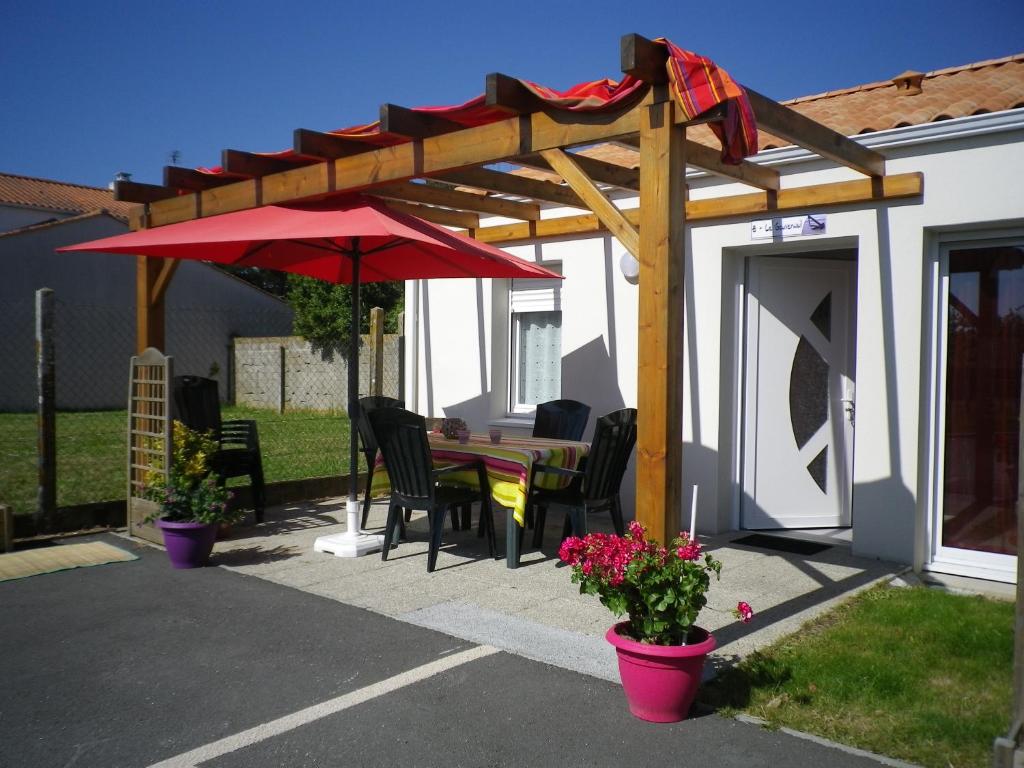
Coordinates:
(136,664)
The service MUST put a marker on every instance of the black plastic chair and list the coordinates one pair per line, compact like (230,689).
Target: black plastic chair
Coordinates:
(415,483)
(595,487)
(369,442)
(561,419)
(198,407)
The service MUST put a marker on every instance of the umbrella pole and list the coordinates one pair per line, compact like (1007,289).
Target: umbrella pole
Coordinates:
(353,542)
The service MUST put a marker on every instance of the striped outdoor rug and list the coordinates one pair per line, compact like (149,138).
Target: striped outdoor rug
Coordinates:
(32,562)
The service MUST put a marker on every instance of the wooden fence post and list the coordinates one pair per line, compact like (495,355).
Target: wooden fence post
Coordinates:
(377,342)
(6,528)
(46,457)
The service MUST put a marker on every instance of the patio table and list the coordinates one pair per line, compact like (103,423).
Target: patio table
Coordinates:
(509,465)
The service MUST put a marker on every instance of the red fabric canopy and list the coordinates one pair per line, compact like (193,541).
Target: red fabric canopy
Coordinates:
(697,84)
(316,239)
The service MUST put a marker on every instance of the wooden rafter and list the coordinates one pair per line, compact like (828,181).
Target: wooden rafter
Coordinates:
(136,192)
(510,184)
(402,121)
(709,159)
(643,59)
(611,217)
(239,163)
(442,216)
(598,170)
(790,125)
(191,179)
(465,201)
(818,196)
(325,145)
(510,95)
(485,144)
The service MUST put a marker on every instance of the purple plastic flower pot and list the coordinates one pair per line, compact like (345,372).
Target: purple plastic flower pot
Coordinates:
(188,544)
(661,681)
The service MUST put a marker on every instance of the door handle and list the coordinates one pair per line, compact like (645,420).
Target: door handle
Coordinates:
(850,407)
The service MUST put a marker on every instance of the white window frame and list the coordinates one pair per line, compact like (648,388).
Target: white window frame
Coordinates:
(525,296)
(940,558)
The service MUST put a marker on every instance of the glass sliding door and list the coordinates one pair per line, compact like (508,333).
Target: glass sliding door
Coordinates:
(983,317)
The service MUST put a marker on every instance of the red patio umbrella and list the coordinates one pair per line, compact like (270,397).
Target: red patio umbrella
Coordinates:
(353,240)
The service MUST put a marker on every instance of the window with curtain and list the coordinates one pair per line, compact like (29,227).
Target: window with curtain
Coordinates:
(535,374)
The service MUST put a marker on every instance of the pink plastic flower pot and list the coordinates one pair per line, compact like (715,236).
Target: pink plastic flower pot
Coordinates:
(188,544)
(661,681)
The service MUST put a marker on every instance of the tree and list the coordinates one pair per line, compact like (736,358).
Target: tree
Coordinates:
(323,311)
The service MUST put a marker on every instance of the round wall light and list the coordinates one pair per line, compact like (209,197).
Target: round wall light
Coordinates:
(630,268)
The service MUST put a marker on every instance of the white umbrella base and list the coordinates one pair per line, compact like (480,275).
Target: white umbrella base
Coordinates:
(353,542)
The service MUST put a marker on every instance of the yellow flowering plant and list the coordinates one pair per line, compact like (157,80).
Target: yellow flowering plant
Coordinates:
(191,491)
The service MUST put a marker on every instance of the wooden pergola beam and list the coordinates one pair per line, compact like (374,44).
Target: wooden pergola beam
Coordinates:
(611,217)
(464,201)
(402,121)
(485,144)
(790,125)
(326,145)
(443,216)
(510,184)
(709,159)
(598,170)
(136,192)
(176,177)
(239,163)
(894,187)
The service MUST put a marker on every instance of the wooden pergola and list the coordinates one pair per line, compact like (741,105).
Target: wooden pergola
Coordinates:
(534,135)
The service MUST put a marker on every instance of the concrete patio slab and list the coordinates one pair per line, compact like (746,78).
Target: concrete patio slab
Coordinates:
(536,611)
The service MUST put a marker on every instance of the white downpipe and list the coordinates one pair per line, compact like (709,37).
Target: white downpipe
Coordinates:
(412,350)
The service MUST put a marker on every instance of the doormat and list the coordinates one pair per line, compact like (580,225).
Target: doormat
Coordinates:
(33,562)
(782,544)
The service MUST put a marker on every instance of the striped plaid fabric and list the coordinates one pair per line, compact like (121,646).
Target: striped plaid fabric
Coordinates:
(508,464)
(697,83)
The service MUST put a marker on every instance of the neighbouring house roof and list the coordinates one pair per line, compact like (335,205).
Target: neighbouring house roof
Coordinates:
(910,98)
(59,196)
(50,223)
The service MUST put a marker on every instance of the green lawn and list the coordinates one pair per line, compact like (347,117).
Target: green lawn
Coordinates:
(916,674)
(92,451)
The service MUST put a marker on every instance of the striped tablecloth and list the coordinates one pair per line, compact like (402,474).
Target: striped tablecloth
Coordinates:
(508,463)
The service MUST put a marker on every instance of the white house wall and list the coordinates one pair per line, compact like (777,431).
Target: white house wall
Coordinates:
(971,183)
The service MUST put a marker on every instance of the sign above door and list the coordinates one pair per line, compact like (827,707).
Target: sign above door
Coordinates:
(783,228)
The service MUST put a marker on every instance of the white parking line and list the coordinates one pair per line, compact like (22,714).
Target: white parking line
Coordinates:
(304,716)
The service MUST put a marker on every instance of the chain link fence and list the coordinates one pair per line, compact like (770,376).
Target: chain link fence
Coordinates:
(295,395)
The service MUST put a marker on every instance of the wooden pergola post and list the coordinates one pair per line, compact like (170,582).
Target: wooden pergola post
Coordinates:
(660,332)
(152,276)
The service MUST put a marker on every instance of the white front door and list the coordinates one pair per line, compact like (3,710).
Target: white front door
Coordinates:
(799,393)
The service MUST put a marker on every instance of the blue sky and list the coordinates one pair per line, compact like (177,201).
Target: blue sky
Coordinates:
(93,88)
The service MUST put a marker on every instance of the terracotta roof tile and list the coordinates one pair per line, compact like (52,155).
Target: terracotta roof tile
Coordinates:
(59,196)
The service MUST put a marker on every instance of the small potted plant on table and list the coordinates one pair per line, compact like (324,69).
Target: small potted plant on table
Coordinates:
(193,502)
(661,650)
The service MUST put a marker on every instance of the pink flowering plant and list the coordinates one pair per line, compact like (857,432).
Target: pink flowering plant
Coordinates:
(661,589)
